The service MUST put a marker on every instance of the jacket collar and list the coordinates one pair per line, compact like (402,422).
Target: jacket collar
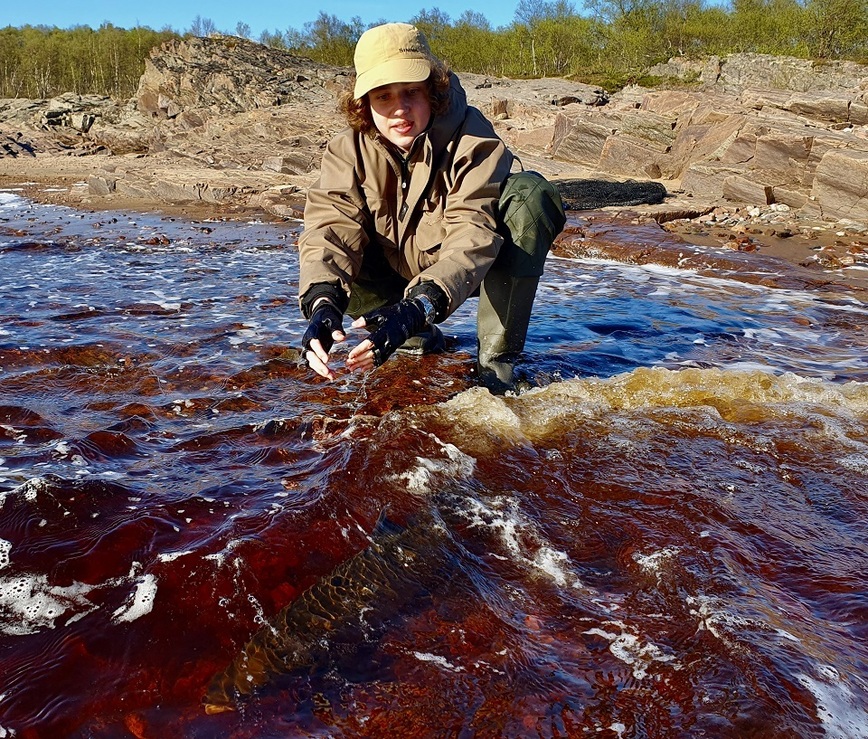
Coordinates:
(444,127)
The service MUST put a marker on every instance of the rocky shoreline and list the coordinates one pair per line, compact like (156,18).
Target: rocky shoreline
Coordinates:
(760,156)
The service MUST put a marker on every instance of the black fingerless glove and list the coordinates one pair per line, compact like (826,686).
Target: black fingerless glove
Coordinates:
(393,325)
(325,319)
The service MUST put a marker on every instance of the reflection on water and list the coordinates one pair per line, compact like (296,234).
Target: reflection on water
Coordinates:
(666,539)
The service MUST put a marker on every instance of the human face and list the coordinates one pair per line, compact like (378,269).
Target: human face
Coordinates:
(401,111)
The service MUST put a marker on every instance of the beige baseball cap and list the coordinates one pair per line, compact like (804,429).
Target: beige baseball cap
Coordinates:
(393,52)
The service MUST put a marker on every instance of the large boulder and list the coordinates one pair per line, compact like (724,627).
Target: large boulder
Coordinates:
(227,74)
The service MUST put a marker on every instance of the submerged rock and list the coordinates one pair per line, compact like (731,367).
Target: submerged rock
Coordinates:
(339,613)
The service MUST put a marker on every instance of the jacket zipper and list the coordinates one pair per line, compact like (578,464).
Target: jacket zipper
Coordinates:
(405,181)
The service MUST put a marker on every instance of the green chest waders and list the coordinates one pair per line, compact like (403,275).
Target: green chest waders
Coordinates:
(531,216)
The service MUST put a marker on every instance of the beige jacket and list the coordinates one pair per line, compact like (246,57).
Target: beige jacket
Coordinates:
(434,215)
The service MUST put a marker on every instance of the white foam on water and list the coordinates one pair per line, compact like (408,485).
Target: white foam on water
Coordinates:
(62,448)
(438,660)
(29,490)
(172,556)
(168,303)
(19,435)
(5,548)
(454,465)
(521,539)
(480,408)
(855,463)
(9,200)
(713,616)
(723,624)
(787,397)
(554,563)
(28,603)
(221,557)
(656,562)
(628,648)
(140,602)
(842,713)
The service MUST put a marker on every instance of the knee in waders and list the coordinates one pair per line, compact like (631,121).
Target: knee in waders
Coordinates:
(531,216)
(379,285)
(376,285)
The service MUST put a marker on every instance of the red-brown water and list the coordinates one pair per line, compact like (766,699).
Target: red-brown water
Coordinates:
(667,539)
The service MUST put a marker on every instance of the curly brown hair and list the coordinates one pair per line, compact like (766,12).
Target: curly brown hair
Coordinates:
(357,111)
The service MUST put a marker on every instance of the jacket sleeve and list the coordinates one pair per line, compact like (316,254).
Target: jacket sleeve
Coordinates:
(478,169)
(336,221)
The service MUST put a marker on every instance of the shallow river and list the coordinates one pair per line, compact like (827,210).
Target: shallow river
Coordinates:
(668,538)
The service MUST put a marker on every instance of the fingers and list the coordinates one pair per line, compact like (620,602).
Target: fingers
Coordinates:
(317,357)
(361,357)
(316,349)
(318,365)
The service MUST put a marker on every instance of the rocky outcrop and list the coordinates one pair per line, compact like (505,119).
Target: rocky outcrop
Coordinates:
(738,72)
(759,130)
(225,75)
(240,123)
(59,125)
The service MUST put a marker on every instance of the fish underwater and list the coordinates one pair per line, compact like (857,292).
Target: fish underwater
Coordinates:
(347,608)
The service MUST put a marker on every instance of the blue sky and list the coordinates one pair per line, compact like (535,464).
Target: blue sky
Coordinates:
(179,14)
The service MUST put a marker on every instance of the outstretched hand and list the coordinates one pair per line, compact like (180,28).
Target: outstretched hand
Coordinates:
(361,356)
(390,327)
(324,330)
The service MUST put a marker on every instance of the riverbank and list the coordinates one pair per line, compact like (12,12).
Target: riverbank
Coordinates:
(675,232)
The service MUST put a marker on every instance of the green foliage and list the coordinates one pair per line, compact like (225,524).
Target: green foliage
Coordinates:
(611,43)
(327,39)
(768,26)
(836,29)
(40,62)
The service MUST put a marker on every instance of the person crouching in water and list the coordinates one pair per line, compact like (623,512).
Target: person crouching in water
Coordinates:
(415,211)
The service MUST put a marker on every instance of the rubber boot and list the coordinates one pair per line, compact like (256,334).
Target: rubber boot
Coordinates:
(505,305)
